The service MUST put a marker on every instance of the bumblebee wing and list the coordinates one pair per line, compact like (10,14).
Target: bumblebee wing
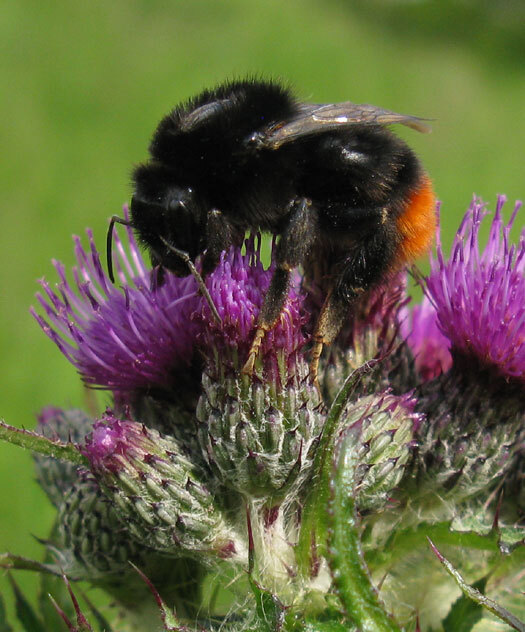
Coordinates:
(315,118)
(202,114)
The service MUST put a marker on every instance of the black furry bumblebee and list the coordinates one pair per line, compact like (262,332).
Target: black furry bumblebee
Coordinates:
(349,200)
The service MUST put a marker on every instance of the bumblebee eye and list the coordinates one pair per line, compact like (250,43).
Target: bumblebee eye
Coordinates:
(174,205)
(179,200)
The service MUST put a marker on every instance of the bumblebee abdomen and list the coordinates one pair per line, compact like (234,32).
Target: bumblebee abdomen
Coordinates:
(417,222)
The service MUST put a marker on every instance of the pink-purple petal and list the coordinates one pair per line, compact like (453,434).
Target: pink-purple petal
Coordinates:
(479,293)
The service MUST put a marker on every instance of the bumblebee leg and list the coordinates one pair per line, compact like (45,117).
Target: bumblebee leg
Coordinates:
(198,278)
(269,314)
(220,235)
(366,267)
(333,313)
(296,240)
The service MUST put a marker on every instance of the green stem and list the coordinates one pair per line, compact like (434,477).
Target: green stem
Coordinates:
(314,519)
(345,556)
(43,445)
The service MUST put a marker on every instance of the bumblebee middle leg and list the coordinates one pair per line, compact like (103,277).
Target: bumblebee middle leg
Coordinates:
(296,240)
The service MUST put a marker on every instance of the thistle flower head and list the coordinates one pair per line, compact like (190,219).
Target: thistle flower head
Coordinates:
(419,326)
(479,294)
(238,287)
(122,337)
(257,432)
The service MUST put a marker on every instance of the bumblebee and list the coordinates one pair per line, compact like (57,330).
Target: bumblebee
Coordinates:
(348,199)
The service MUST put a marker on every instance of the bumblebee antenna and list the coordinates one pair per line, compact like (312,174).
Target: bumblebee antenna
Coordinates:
(197,276)
(109,243)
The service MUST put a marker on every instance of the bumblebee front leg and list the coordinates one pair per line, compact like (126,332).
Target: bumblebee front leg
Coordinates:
(220,235)
(294,244)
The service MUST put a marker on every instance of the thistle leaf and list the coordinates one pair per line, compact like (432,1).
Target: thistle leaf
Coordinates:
(38,443)
(24,612)
(464,613)
(474,594)
(270,610)
(313,526)
(4,625)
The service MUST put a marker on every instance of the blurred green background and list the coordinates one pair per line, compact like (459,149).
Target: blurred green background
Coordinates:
(84,84)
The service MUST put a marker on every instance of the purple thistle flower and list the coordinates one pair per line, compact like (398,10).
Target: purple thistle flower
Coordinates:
(479,295)
(419,326)
(121,338)
(238,287)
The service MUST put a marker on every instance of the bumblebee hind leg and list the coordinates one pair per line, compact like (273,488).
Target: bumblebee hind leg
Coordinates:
(333,314)
(366,267)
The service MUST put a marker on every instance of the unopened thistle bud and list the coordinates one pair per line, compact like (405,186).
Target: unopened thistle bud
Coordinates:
(155,490)
(384,444)
(93,543)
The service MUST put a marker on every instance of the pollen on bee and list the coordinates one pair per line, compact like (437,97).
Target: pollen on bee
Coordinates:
(417,224)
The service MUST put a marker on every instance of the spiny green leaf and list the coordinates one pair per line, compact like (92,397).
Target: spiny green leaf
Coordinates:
(404,541)
(270,610)
(464,613)
(477,596)
(24,611)
(4,625)
(53,584)
(9,560)
(43,445)
(345,557)
(169,618)
(102,623)
(313,525)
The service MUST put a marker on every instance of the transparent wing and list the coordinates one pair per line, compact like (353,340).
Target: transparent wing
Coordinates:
(202,114)
(314,118)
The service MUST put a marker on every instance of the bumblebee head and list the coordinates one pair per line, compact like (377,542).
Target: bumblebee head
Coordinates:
(168,226)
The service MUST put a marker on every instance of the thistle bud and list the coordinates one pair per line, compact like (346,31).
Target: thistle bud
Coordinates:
(156,490)
(92,542)
(384,444)
(260,440)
